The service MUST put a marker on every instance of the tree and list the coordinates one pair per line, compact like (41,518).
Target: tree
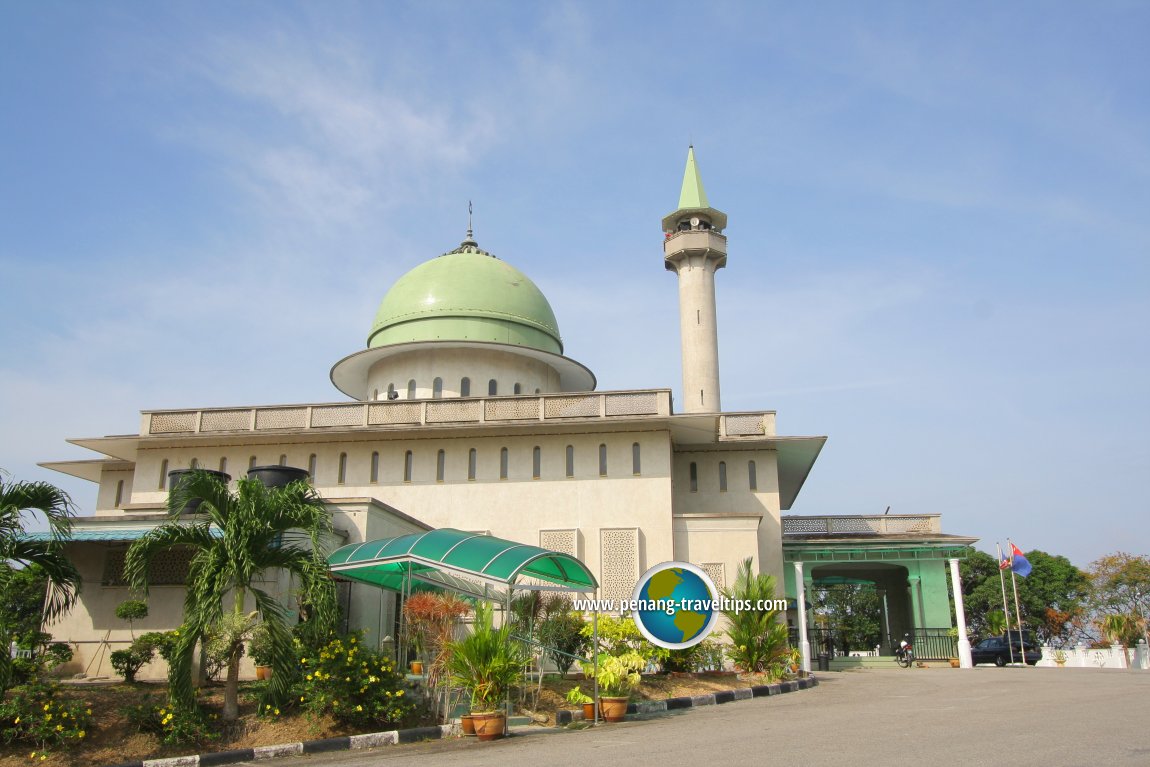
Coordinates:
(237,538)
(1052,598)
(853,612)
(1120,585)
(19,552)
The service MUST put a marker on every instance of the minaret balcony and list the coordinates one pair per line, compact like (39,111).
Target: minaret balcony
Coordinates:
(695,240)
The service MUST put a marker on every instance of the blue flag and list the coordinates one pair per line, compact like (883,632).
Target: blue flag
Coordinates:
(1019,563)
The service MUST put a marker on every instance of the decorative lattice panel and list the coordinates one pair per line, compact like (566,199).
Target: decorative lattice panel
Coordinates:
(281,418)
(855,525)
(453,411)
(801,526)
(571,407)
(618,563)
(226,420)
(511,409)
(632,404)
(717,572)
(563,541)
(168,423)
(910,525)
(745,425)
(337,415)
(393,413)
(167,568)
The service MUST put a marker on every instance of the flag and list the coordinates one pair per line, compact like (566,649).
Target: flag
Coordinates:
(1004,564)
(1019,563)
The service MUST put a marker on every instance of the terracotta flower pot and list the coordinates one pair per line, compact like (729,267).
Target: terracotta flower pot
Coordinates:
(263,673)
(467,723)
(417,667)
(613,709)
(589,711)
(489,725)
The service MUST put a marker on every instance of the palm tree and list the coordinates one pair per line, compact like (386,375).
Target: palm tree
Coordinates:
(237,538)
(17,550)
(758,639)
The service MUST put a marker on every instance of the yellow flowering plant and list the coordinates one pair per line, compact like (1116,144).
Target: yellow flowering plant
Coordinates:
(34,715)
(356,685)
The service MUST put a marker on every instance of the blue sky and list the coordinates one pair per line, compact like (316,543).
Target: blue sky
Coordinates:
(939,227)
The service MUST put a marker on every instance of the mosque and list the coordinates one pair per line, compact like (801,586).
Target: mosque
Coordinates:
(466,413)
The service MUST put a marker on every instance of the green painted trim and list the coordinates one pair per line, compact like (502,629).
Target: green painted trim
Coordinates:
(824,553)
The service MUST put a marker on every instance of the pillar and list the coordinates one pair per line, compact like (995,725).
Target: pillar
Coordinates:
(964,659)
(801,593)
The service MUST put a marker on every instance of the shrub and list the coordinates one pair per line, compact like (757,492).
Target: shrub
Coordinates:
(562,634)
(164,642)
(705,656)
(36,717)
(173,725)
(132,610)
(128,662)
(758,638)
(356,685)
(620,636)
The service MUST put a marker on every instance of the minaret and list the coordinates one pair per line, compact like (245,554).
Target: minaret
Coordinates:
(694,248)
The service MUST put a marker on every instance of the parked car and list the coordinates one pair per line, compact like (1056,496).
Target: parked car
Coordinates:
(998,650)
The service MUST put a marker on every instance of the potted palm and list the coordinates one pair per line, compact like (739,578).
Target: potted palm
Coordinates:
(487,664)
(618,676)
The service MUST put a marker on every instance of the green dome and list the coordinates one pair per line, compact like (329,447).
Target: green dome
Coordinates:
(466,295)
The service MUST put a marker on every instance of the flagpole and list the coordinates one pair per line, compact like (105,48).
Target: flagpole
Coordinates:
(1017,612)
(1005,609)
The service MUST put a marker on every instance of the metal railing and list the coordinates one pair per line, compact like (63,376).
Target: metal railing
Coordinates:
(929,643)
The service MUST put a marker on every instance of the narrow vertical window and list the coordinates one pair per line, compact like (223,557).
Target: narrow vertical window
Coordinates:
(636,466)
(283,459)
(408,465)
(570,460)
(722,476)
(391,392)
(411,389)
(341,476)
(437,388)
(119,493)
(518,388)
(472,459)
(536,462)
(752,476)
(375,394)
(311,467)
(602,460)
(465,387)
(251,463)
(492,388)
(694,477)
(223,466)
(195,464)
(537,390)
(163,474)
(374,467)
(440,465)
(503,461)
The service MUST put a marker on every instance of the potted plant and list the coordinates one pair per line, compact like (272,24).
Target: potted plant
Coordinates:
(577,697)
(1060,657)
(618,676)
(487,664)
(795,660)
(260,648)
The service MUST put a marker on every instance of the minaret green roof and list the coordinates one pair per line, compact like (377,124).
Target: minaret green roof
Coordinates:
(693,195)
(693,199)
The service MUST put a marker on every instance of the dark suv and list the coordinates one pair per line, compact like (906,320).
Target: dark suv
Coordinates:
(997,650)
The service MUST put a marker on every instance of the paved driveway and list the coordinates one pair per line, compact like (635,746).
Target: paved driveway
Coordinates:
(1008,717)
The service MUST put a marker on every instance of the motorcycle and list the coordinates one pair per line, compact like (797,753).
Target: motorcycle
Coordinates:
(904,653)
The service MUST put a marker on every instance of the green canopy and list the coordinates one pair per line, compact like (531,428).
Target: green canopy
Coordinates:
(465,562)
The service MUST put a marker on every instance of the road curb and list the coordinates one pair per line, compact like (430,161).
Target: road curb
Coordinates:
(341,743)
(566,716)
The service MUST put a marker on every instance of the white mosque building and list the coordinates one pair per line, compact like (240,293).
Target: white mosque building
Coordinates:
(464,412)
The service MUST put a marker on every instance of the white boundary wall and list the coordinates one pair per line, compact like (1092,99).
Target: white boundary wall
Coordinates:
(1110,657)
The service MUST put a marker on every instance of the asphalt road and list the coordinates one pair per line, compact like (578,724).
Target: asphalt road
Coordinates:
(1008,717)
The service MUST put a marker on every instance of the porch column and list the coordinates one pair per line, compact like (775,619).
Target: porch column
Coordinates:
(964,660)
(801,593)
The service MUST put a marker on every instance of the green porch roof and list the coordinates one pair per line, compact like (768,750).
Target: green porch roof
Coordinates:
(450,558)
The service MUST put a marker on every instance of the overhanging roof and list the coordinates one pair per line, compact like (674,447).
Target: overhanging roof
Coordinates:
(102,534)
(458,560)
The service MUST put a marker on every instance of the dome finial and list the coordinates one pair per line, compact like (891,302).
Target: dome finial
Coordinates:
(470,236)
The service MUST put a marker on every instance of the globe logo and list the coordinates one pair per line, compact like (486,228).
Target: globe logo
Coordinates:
(673,605)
